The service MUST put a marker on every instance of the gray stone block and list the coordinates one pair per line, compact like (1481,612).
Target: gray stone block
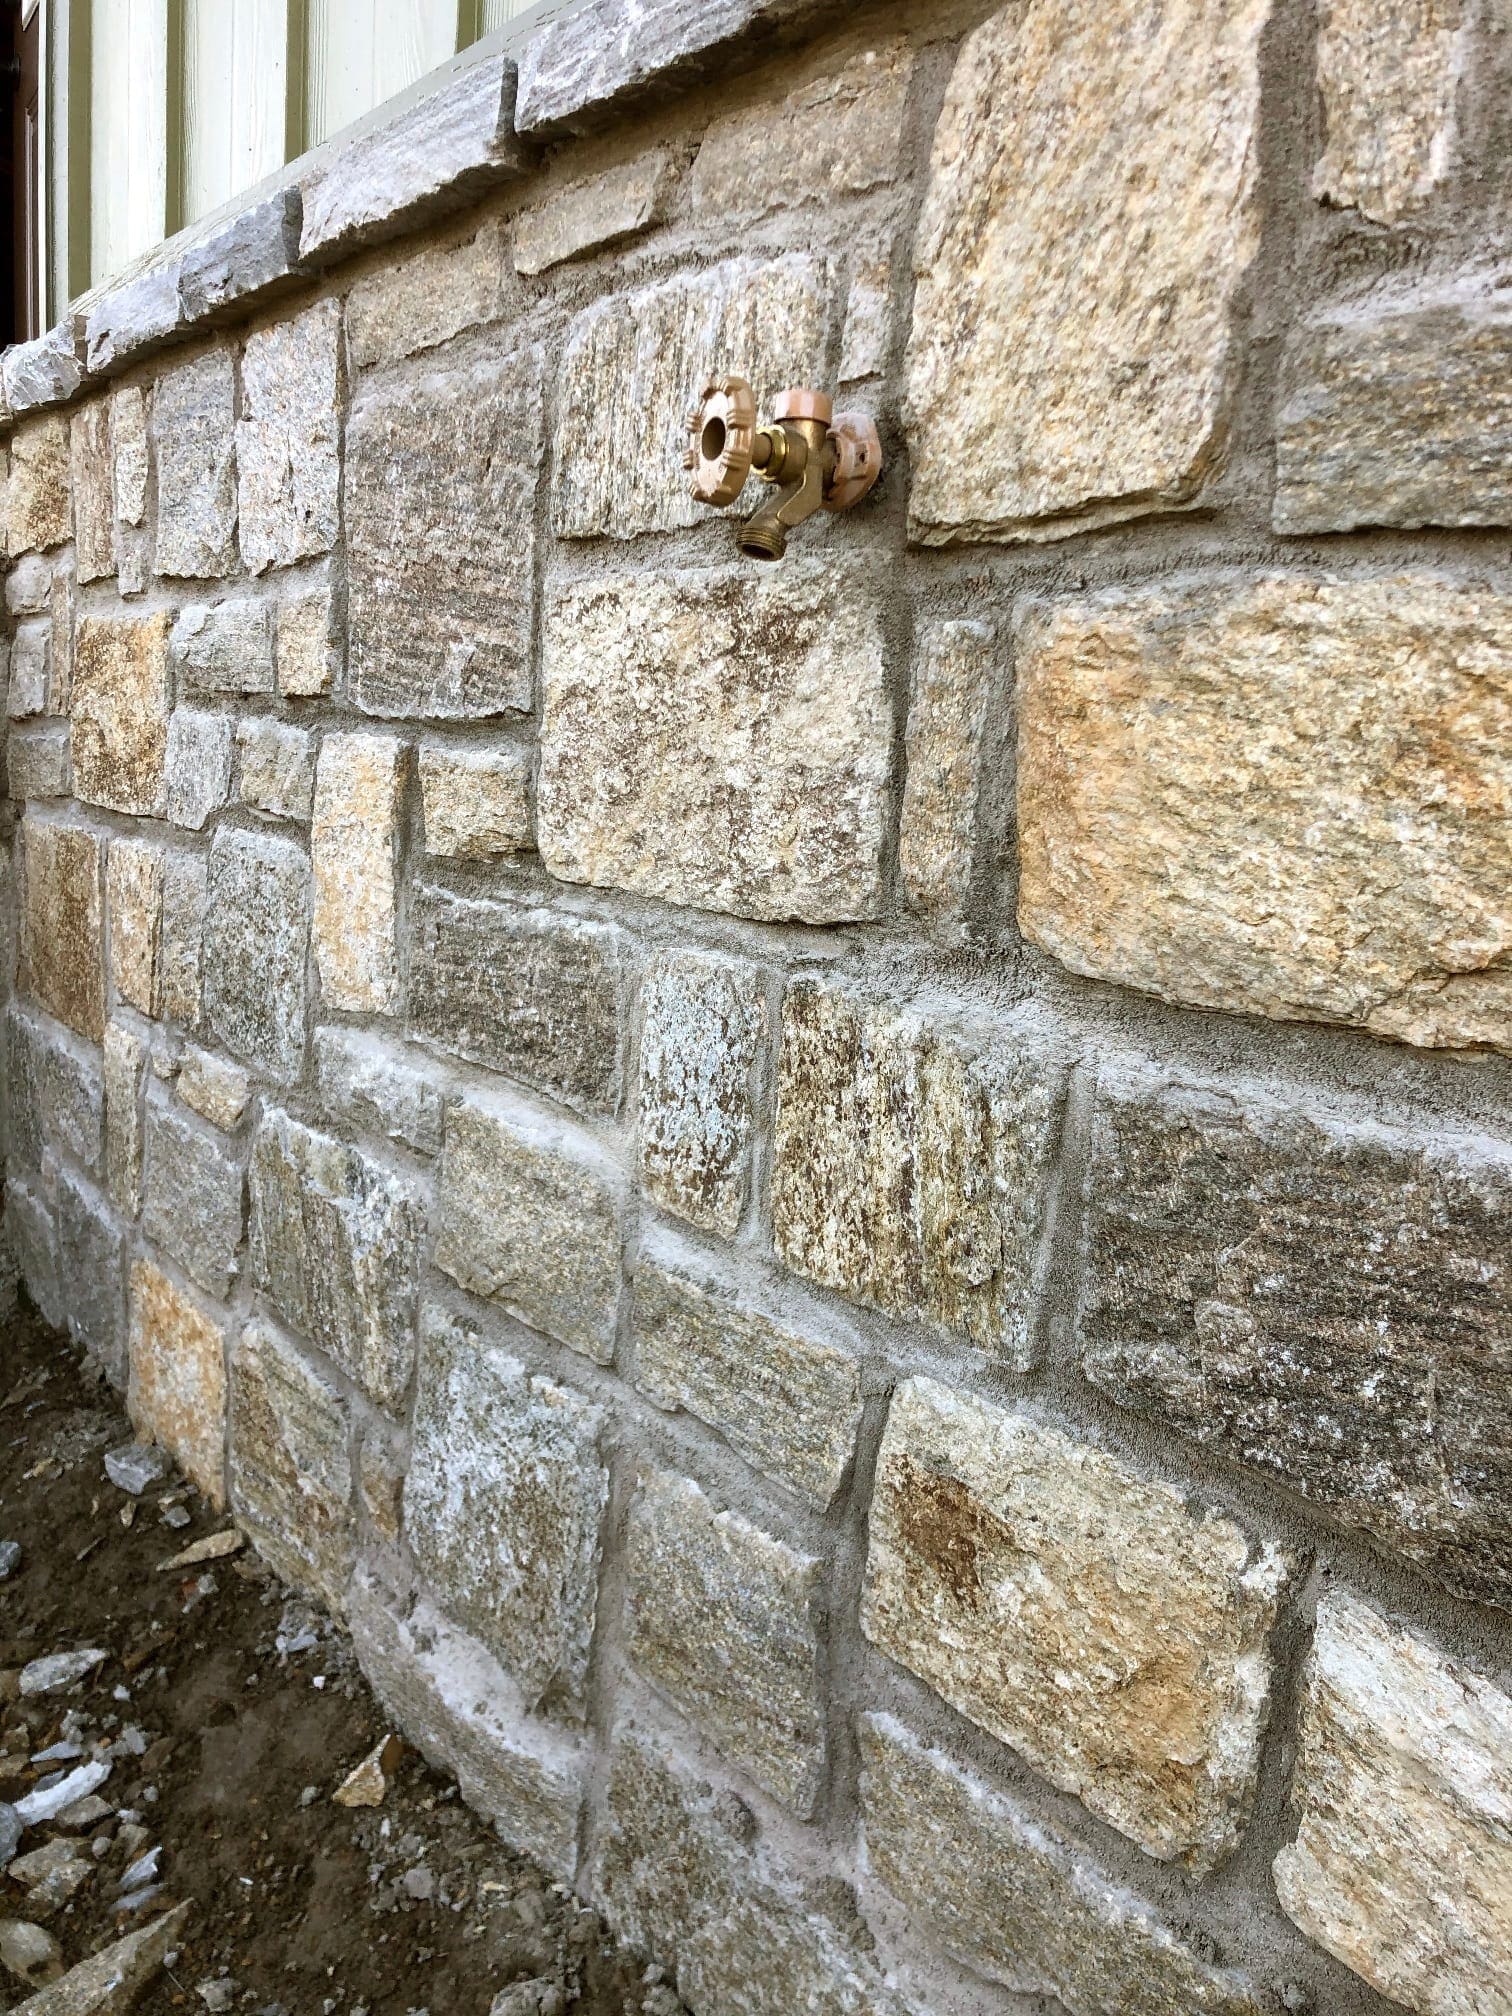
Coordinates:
(277,768)
(193,1197)
(92,1261)
(56,1093)
(32,1232)
(47,371)
(227,648)
(256,939)
(374,1086)
(250,256)
(133,319)
(290,1463)
(198,765)
(194,434)
(702,1022)
(38,763)
(287,454)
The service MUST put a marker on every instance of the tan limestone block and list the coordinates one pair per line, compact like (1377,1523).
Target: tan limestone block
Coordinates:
(134,904)
(62,949)
(354,856)
(1089,221)
(121,699)
(306,652)
(1077,1611)
(39,506)
(1285,796)
(93,491)
(177,1387)
(215,1089)
(414,304)
(594,211)
(128,449)
(476,802)
(1388,71)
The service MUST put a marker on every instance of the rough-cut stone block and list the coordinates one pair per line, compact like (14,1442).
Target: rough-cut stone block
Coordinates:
(720,738)
(528,992)
(703,1020)
(277,768)
(224,649)
(306,647)
(125,1066)
(39,500)
(93,491)
(912,1162)
(1077,1611)
(836,133)
(31,1232)
(495,1450)
(182,936)
(677,1877)
(56,1096)
(947,723)
(30,671)
(134,902)
(214,1089)
(1090,218)
(290,1463)
(38,763)
(1277,796)
(1400,414)
(48,370)
(413,304)
(193,1198)
(439,155)
(61,654)
(250,256)
(92,1261)
(722,1620)
(1235,1287)
(354,856)
(476,802)
(28,586)
(121,699)
(176,1392)
(62,958)
(1388,73)
(1015,1900)
(256,934)
(441,478)
(457,1706)
(287,440)
(382,1463)
(128,450)
(373,1086)
(197,765)
(596,211)
(194,434)
(136,317)
(787,1399)
(633,363)
(1402,1866)
(336,1243)
(529,1215)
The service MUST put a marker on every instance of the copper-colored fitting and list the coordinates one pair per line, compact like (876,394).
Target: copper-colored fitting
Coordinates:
(797,403)
(811,459)
(721,431)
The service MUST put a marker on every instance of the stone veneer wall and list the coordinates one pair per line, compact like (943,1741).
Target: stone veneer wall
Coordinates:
(859,1214)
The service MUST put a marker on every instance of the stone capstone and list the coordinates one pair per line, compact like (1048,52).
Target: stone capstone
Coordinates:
(194,435)
(121,701)
(194,1197)
(135,317)
(1388,76)
(48,370)
(287,439)
(62,951)
(703,1020)
(176,1392)
(290,1465)
(250,255)
(256,931)
(354,847)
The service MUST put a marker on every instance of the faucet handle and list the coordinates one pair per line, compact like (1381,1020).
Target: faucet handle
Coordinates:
(721,438)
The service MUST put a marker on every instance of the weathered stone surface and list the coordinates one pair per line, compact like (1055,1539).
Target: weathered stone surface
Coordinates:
(93,491)
(634,361)
(703,1020)
(48,370)
(528,1214)
(529,992)
(476,801)
(32,1234)
(413,304)
(440,155)
(595,211)
(277,768)
(176,1392)
(495,1450)
(720,738)
(134,902)
(1078,1612)
(306,647)
(256,932)
(441,478)
(382,1463)
(1402,1866)
(224,649)
(250,255)
(182,937)
(1018,1902)
(214,1089)
(722,1620)
(125,1066)
(128,448)
(28,586)
(38,498)
(455,1703)
(193,1198)
(1278,796)
(866,343)
(198,765)
(1398,415)
(836,133)
(62,958)
(193,433)
(373,1086)
(61,653)
(135,317)
(354,855)
(947,721)
(1089,222)
(121,698)
(287,440)
(786,1399)
(38,763)
(56,1096)
(92,1261)
(336,1243)
(678,1878)
(30,669)
(1387,75)
(1235,1287)
(912,1162)
(290,1465)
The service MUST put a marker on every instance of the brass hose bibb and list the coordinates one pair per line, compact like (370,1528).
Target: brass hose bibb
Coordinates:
(813,459)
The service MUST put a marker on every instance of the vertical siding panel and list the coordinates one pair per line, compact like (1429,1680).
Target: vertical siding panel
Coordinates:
(128,93)
(363,51)
(235,79)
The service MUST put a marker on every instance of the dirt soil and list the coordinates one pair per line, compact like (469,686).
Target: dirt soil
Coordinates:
(229,1712)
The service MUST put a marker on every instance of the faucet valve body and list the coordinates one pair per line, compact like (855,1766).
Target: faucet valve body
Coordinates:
(812,458)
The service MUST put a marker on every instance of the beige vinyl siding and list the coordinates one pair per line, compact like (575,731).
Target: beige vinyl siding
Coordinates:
(128,131)
(362,52)
(235,98)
